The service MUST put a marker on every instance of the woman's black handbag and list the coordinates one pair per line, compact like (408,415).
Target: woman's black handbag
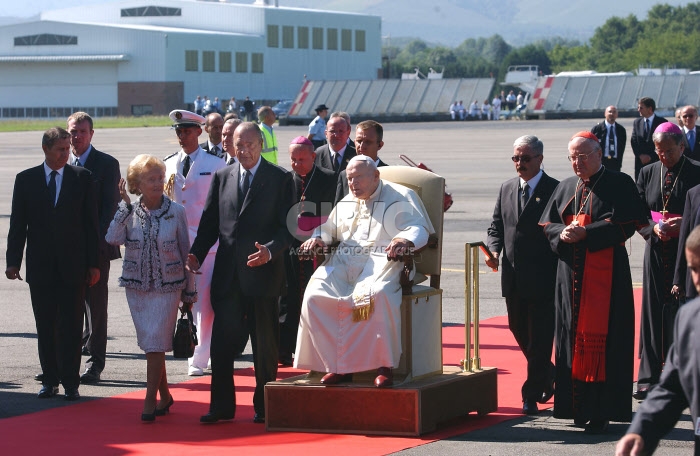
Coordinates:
(185,338)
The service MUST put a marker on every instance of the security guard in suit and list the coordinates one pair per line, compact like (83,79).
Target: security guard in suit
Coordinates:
(188,175)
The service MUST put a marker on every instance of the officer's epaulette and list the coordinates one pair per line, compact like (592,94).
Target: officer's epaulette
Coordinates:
(170,156)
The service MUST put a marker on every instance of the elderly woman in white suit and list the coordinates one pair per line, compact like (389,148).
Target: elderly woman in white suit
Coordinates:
(154,233)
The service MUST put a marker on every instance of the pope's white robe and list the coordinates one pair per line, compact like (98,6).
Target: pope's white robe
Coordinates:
(356,274)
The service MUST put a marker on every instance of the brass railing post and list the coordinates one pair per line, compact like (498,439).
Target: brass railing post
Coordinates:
(471,305)
(467,361)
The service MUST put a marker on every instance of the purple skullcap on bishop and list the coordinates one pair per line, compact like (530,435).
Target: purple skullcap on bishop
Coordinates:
(668,127)
(302,140)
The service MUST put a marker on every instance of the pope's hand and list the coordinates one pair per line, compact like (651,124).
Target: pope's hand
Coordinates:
(398,247)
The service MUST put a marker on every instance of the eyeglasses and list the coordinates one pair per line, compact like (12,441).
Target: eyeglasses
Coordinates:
(522,158)
(579,157)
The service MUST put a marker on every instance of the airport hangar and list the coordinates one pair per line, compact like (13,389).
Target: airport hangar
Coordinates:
(138,57)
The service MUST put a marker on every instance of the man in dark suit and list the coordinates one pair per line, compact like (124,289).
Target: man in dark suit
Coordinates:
(227,140)
(682,281)
(315,189)
(54,212)
(678,388)
(689,114)
(336,154)
(105,177)
(369,140)
(529,266)
(643,129)
(246,210)
(213,126)
(613,138)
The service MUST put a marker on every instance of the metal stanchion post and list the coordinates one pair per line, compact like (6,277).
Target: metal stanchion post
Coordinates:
(466,363)
(471,305)
(476,361)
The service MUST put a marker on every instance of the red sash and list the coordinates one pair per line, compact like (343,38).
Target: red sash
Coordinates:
(588,364)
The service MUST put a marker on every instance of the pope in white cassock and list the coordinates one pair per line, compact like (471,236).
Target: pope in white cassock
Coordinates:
(350,317)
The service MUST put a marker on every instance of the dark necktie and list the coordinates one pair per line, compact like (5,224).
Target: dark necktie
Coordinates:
(186,166)
(77,163)
(525,196)
(52,188)
(334,161)
(245,185)
(611,141)
(231,161)
(647,127)
(215,150)
(691,139)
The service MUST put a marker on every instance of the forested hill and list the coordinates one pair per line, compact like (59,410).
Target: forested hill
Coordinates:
(666,36)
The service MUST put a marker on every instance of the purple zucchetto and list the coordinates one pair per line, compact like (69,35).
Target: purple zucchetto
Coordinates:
(302,140)
(668,127)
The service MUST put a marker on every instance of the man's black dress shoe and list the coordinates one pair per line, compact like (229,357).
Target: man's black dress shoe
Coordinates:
(47,391)
(259,418)
(149,417)
(285,359)
(72,394)
(90,377)
(640,394)
(597,427)
(530,407)
(213,417)
(39,377)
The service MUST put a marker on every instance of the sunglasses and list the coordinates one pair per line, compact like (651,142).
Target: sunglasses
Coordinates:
(521,158)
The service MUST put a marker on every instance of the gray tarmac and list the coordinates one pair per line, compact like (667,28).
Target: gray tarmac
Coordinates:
(474,158)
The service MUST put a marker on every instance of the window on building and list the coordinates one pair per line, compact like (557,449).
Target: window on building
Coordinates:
(346,40)
(256,64)
(303,37)
(141,110)
(241,62)
(208,61)
(332,39)
(317,36)
(360,41)
(273,36)
(45,39)
(191,60)
(151,11)
(288,37)
(224,62)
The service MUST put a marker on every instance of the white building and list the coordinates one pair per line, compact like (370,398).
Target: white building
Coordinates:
(152,56)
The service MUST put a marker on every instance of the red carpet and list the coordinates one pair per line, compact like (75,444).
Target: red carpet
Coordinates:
(114,427)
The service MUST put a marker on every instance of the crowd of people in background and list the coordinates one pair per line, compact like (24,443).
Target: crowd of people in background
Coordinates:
(512,107)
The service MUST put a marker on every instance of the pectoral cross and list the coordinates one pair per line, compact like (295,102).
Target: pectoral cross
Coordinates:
(664,213)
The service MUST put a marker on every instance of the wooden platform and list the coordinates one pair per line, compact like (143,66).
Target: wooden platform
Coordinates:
(302,404)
